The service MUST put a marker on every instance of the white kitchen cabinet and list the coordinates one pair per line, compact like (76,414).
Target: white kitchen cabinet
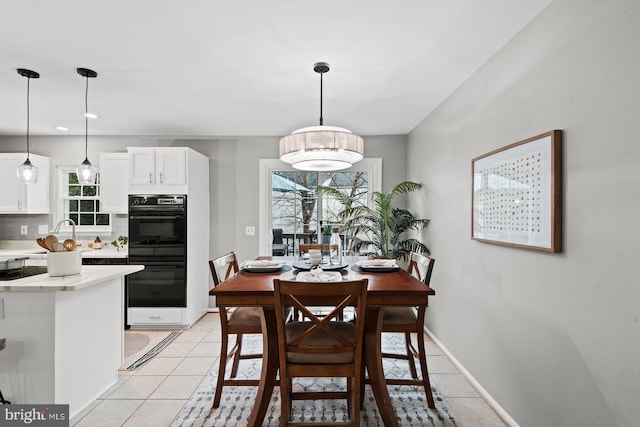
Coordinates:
(166,170)
(114,183)
(16,198)
(158,166)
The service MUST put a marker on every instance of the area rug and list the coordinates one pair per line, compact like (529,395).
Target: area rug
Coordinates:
(236,404)
(140,346)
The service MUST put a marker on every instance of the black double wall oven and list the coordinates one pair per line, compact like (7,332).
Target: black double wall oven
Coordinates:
(158,240)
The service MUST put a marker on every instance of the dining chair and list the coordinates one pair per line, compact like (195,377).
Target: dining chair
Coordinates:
(320,346)
(278,247)
(236,321)
(410,320)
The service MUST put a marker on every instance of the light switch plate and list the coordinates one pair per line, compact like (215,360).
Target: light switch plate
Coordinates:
(249,230)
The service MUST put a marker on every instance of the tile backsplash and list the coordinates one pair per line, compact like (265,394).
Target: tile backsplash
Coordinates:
(11,227)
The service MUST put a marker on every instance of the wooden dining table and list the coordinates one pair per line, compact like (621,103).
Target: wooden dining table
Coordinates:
(397,288)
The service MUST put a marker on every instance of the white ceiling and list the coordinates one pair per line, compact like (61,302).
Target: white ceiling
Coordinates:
(243,67)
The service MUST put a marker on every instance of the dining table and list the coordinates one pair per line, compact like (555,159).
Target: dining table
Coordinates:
(385,288)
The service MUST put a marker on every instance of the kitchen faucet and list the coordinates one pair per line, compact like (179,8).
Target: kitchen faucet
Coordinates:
(73,227)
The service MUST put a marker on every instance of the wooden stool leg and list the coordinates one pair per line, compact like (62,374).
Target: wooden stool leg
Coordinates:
(236,356)
(412,363)
(221,369)
(425,371)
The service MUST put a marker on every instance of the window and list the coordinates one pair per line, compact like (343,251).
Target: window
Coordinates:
(81,203)
(290,200)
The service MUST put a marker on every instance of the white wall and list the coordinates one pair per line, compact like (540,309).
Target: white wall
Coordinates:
(554,338)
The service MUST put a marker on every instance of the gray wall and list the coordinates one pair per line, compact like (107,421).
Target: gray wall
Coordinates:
(554,338)
(233,175)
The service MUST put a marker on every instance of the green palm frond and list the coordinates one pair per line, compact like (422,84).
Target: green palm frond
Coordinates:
(382,227)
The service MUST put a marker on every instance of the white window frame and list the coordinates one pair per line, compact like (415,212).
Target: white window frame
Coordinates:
(372,166)
(61,182)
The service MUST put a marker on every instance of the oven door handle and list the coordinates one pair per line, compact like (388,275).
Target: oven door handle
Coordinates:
(157,217)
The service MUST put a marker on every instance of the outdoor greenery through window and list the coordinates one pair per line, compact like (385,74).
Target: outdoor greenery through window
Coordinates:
(81,203)
(303,212)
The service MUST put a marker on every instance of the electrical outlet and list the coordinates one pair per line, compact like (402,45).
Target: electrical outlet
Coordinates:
(249,230)
(43,229)
(24,229)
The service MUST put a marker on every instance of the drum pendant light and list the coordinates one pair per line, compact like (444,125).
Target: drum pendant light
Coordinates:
(321,148)
(86,171)
(27,172)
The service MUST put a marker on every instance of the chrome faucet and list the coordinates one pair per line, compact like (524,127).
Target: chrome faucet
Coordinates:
(73,227)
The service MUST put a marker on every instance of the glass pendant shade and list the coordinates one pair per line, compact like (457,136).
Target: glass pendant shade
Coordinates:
(86,173)
(321,148)
(27,173)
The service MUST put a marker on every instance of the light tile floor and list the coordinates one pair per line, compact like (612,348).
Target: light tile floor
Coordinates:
(155,393)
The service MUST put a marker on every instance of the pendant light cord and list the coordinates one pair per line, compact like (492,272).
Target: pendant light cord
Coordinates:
(86,119)
(28,81)
(321,120)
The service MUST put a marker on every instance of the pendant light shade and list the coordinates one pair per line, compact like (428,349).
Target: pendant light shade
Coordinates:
(321,148)
(86,171)
(27,172)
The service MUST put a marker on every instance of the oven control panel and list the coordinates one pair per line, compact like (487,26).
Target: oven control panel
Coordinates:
(154,200)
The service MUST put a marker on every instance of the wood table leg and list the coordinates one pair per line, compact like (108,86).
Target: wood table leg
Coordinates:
(373,358)
(269,367)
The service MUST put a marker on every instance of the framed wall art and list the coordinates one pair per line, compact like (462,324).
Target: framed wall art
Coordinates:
(517,194)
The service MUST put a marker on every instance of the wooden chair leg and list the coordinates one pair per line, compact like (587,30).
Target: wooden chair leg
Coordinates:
(222,368)
(354,398)
(425,372)
(285,403)
(236,356)
(412,363)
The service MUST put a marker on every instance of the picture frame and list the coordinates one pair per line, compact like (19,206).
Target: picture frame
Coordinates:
(517,194)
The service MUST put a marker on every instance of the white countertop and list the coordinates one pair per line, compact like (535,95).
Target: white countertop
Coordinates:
(89,275)
(39,253)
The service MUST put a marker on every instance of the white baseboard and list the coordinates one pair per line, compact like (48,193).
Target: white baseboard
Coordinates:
(474,383)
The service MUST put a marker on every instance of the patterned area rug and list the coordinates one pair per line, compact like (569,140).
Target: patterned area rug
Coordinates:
(235,408)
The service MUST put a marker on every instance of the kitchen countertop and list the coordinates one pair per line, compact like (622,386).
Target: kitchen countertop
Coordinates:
(39,253)
(89,275)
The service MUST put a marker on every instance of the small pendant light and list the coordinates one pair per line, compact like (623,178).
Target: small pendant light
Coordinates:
(27,172)
(86,171)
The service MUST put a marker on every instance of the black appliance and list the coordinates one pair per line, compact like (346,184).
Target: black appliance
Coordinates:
(158,240)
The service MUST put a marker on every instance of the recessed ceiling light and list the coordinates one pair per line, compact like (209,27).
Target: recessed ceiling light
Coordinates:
(62,128)
(91,116)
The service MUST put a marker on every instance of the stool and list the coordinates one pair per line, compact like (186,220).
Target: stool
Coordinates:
(2,345)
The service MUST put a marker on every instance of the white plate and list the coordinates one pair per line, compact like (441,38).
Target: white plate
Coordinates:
(325,276)
(378,263)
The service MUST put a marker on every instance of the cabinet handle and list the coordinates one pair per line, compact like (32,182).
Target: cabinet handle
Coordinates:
(150,177)
(161,178)
(154,317)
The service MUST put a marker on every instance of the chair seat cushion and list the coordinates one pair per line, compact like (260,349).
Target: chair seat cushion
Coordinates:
(399,316)
(245,316)
(321,338)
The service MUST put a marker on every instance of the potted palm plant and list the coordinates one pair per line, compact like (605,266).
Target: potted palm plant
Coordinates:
(382,227)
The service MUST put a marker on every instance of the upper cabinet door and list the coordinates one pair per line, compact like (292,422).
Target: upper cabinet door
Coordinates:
(171,166)
(114,185)
(142,166)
